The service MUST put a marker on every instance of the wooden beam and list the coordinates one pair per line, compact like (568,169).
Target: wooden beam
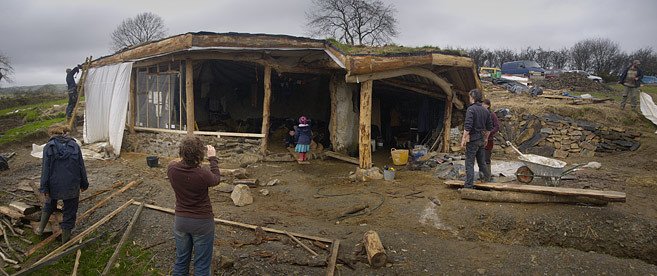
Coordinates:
(447,125)
(330,268)
(189,90)
(342,157)
(124,238)
(422,72)
(365,126)
(611,196)
(448,60)
(266,107)
(198,132)
(516,197)
(431,94)
(132,102)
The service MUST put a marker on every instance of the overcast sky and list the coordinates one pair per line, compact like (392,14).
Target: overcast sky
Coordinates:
(43,37)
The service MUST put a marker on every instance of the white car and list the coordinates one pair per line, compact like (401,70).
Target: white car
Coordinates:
(588,75)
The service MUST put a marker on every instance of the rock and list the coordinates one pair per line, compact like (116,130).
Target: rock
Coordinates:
(373,173)
(547,130)
(587,153)
(560,154)
(557,145)
(593,165)
(576,133)
(226,262)
(273,182)
(241,195)
(248,159)
(264,192)
(481,271)
(546,151)
(574,146)
(618,129)
(224,187)
(587,146)
(456,148)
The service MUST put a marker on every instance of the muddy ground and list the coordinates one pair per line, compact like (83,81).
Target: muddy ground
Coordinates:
(426,233)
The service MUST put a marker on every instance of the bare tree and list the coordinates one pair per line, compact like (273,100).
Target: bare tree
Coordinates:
(604,53)
(477,55)
(648,58)
(502,56)
(544,57)
(528,53)
(560,59)
(354,22)
(6,70)
(581,54)
(142,28)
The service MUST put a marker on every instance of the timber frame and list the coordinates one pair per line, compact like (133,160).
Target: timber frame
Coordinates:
(439,75)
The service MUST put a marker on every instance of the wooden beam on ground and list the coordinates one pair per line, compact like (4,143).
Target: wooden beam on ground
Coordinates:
(447,125)
(76,265)
(23,208)
(207,133)
(11,212)
(86,231)
(516,197)
(376,255)
(266,103)
(189,92)
(611,196)
(82,217)
(330,268)
(124,238)
(342,157)
(239,224)
(365,126)
(422,72)
(408,87)
(312,252)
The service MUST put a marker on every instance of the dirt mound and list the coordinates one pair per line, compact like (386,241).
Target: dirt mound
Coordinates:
(573,82)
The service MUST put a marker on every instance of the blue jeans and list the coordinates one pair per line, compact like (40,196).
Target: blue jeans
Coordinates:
(475,150)
(69,211)
(202,246)
(72,100)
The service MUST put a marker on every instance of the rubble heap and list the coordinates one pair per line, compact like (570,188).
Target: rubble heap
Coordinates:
(572,82)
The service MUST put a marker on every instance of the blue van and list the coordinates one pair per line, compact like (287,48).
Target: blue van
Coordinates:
(522,67)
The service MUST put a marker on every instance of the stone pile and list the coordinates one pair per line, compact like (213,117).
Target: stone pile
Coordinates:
(574,82)
(560,137)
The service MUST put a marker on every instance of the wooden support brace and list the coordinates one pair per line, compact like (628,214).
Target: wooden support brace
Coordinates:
(447,125)
(266,102)
(365,126)
(189,92)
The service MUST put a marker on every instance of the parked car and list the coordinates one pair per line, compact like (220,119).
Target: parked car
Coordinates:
(490,72)
(649,80)
(588,75)
(526,68)
(553,73)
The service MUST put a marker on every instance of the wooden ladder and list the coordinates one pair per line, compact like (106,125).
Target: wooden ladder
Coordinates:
(80,89)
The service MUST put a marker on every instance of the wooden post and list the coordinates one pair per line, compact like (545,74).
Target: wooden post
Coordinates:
(364,133)
(447,125)
(132,100)
(266,102)
(189,90)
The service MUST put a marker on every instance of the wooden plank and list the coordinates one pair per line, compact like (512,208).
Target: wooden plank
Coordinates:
(516,197)
(132,102)
(447,125)
(207,133)
(10,212)
(124,238)
(239,224)
(80,91)
(330,268)
(611,196)
(411,88)
(342,157)
(422,72)
(366,64)
(302,244)
(449,60)
(189,92)
(266,103)
(365,126)
(23,208)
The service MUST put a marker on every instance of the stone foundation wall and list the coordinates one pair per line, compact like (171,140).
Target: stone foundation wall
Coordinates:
(166,144)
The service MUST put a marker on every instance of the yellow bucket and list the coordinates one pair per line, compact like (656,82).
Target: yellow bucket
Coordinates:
(399,157)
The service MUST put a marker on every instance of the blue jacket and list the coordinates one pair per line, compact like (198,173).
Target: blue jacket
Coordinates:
(63,173)
(70,77)
(303,135)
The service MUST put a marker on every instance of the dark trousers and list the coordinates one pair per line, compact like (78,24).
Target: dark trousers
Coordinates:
(475,150)
(70,211)
(72,99)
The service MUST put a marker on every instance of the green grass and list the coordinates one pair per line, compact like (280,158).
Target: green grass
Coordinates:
(617,93)
(132,260)
(32,112)
(391,49)
(19,133)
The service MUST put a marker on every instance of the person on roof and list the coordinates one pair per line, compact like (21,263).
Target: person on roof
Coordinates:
(72,89)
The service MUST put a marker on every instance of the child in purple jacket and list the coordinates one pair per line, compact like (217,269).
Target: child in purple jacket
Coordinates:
(303,136)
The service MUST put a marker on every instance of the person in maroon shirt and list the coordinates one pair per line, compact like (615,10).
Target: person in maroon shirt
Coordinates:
(491,138)
(193,227)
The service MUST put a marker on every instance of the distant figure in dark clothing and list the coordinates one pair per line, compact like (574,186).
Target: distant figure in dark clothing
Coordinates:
(290,138)
(193,227)
(477,127)
(72,89)
(631,79)
(303,136)
(491,138)
(63,177)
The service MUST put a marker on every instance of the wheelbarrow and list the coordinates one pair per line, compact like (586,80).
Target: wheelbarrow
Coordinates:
(536,166)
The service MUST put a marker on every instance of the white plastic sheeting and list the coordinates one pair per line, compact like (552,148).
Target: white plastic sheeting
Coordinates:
(648,107)
(107,90)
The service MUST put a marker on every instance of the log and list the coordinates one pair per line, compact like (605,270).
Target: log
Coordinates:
(516,197)
(239,173)
(330,268)
(376,254)
(23,208)
(239,224)
(302,245)
(10,212)
(342,157)
(365,126)
(610,196)
(189,90)
(266,102)
(197,132)
(37,266)
(248,182)
(82,217)
(124,238)
(86,231)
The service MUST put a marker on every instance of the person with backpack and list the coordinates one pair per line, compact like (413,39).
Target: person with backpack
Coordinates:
(63,177)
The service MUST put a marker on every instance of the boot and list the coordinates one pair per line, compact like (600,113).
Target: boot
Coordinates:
(43,222)
(66,235)
(490,173)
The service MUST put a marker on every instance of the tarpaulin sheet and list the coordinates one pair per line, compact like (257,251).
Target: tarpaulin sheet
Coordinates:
(107,90)
(648,108)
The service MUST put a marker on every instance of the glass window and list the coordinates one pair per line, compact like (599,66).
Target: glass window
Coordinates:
(159,102)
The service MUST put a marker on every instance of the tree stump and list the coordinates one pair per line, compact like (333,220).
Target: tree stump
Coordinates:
(376,254)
